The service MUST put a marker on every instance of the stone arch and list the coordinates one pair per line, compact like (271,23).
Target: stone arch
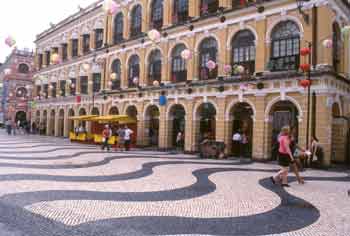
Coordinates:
(70,124)
(146,108)
(149,52)
(198,104)
(171,105)
(176,124)
(179,42)
(282,19)
(112,59)
(279,98)
(113,110)
(60,130)
(95,111)
(205,36)
(235,31)
(152,124)
(130,55)
(131,108)
(236,101)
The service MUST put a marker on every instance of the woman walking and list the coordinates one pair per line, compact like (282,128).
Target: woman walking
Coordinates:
(285,157)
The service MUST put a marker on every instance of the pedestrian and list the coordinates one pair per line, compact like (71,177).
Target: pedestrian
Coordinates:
(106,133)
(8,125)
(179,140)
(236,141)
(317,152)
(244,145)
(14,128)
(127,137)
(121,135)
(285,157)
(298,153)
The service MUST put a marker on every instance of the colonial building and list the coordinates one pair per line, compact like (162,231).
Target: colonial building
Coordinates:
(16,75)
(241,71)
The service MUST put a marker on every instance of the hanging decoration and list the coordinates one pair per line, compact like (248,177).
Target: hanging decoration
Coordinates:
(327,43)
(305,51)
(156,83)
(243,87)
(211,65)
(110,7)
(228,69)
(305,83)
(10,41)
(305,67)
(154,35)
(55,58)
(113,76)
(110,83)
(240,69)
(7,71)
(86,66)
(72,86)
(135,80)
(69,81)
(186,54)
(78,99)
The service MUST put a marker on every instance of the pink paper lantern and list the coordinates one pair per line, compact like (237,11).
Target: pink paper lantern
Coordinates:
(156,83)
(10,41)
(153,35)
(135,80)
(327,43)
(211,65)
(113,76)
(186,54)
(243,87)
(227,69)
(110,7)
(240,69)
(55,58)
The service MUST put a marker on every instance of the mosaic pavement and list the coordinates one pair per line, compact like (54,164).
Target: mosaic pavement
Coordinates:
(49,186)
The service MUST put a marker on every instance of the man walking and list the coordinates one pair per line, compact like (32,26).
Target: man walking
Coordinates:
(127,137)
(106,133)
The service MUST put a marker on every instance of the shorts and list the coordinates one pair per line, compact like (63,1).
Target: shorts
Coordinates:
(283,159)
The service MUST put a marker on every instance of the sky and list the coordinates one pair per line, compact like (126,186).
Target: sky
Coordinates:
(24,19)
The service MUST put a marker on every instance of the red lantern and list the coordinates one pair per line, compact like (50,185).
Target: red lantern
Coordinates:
(305,67)
(78,99)
(305,51)
(305,83)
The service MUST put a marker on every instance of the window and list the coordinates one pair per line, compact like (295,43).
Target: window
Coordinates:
(207,51)
(23,68)
(40,61)
(118,28)
(64,52)
(180,11)
(98,38)
(86,43)
(53,90)
(48,58)
(155,67)
(46,91)
(73,86)
(96,82)
(237,4)
(178,65)
(134,70)
(285,40)
(136,21)
(74,47)
(243,50)
(83,84)
(209,6)
(116,68)
(336,47)
(63,88)
(38,90)
(157,14)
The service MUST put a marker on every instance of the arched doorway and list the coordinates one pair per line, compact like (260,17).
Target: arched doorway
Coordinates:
(131,111)
(241,116)
(152,126)
(282,113)
(71,113)
(95,111)
(177,123)
(52,123)
(82,112)
(114,111)
(205,122)
(21,116)
(61,123)
(43,124)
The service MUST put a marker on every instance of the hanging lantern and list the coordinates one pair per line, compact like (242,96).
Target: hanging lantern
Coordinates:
(156,83)
(55,58)
(305,67)
(135,80)
(69,81)
(110,7)
(305,51)
(186,54)
(113,76)
(327,43)
(240,69)
(227,69)
(110,83)
(10,41)
(50,87)
(72,86)
(153,35)
(305,83)
(211,65)
(78,99)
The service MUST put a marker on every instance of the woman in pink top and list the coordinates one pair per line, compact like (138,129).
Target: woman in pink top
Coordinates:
(285,157)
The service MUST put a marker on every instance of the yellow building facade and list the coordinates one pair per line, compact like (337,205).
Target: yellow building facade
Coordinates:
(107,64)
